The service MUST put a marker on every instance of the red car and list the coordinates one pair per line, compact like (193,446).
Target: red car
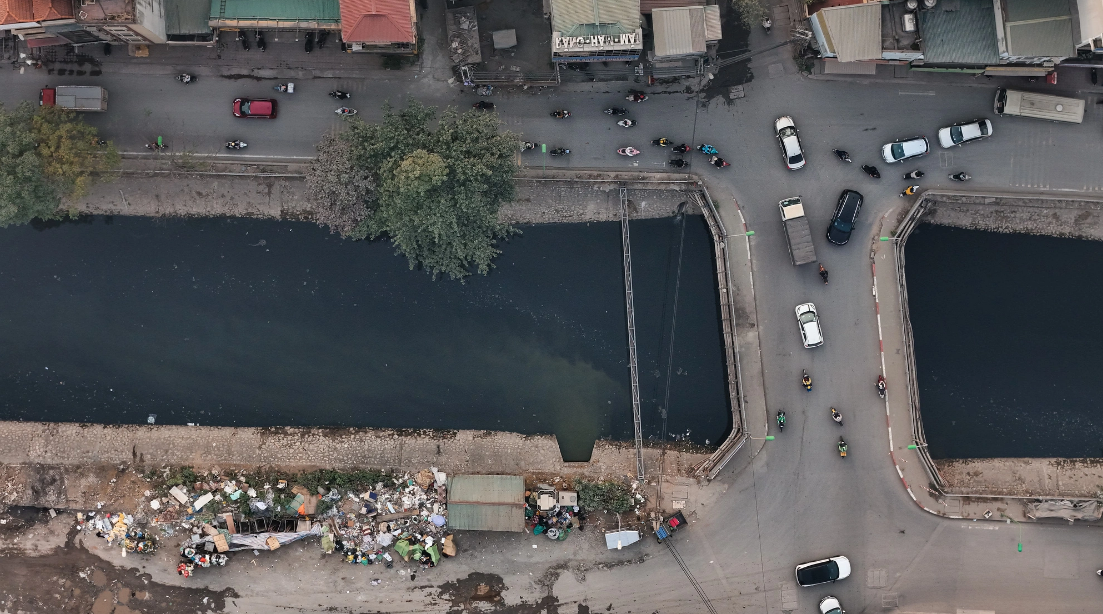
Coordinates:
(264,108)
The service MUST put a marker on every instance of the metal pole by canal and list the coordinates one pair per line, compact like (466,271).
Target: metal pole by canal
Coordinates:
(628,302)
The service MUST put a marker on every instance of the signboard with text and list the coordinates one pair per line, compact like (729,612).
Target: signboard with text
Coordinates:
(597,42)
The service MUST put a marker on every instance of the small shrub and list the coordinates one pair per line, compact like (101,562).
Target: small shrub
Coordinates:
(605,496)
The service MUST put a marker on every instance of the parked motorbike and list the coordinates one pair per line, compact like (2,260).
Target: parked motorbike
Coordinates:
(157,145)
(881,386)
(960,177)
(871,171)
(660,142)
(842,447)
(637,97)
(683,148)
(679,163)
(628,151)
(339,95)
(916,174)
(238,144)
(322,36)
(309,42)
(561,114)
(806,380)
(527,145)
(287,88)
(823,274)
(345,111)
(767,24)
(781,420)
(244,38)
(185,78)
(626,123)
(836,416)
(261,43)
(719,162)
(483,105)
(844,156)
(616,111)
(707,149)
(559,151)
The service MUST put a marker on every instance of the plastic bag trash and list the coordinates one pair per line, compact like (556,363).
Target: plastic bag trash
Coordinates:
(375,581)
(155,504)
(385,539)
(438,520)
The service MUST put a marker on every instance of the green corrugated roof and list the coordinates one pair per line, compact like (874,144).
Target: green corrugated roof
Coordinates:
(486,502)
(587,17)
(965,35)
(187,16)
(1027,10)
(277,10)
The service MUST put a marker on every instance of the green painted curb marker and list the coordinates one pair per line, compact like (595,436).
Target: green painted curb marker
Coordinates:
(750,233)
(886,238)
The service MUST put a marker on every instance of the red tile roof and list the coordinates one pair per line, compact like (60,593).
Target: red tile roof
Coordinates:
(376,21)
(22,11)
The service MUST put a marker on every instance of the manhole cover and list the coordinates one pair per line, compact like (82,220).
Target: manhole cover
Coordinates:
(877,578)
(736,91)
(890,600)
(789,596)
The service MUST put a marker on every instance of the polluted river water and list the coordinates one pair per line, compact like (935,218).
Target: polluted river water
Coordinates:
(244,322)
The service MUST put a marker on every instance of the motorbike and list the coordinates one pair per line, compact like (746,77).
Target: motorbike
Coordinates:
(322,36)
(871,171)
(781,420)
(836,416)
(483,105)
(960,177)
(679,163)
(339,95)
(616,111)
(238,144)
(842,447)
(910,190)
(309,42)
(287,88)
(628,151)
(683,148)
(707,149)
(806,381)
(559,151)
(660,142)
(719,162)
(823,274)
(527,145)
(261,43)
(185,78)
(1095,76)
(767,24)
(637,97)
(561,114)
(241,36)
(916,174)
(485,90)
(844,156)
(626,123)
(345,111)
(157,145)
(881,386)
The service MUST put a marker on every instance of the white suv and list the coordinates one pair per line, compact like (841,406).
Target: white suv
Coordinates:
(786,132)
(809,322)
(905,148)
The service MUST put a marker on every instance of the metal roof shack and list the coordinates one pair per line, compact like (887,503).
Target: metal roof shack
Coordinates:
(596,30)
(379,25)
(276,14)
(961,32)
(486,502)
(850,33)
(1036,30)
(685,30)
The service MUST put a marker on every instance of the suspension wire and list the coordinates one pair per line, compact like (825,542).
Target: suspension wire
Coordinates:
(689,576)
(670,355)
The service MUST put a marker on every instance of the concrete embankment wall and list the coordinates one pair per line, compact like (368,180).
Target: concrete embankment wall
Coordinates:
(1024,477)
(69,465)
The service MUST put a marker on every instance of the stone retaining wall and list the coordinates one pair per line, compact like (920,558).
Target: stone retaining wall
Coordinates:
(1024,477)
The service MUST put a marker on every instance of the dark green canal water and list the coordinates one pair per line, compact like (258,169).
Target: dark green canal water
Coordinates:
(258,323)
(1005,342)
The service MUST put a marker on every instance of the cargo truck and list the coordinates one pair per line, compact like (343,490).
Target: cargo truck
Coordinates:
(797,233)
(74,97)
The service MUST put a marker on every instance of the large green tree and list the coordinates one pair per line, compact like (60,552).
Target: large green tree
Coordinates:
(46,156)
(437,189)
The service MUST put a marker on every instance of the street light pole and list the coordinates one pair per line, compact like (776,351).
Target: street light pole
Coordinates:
(1020,525)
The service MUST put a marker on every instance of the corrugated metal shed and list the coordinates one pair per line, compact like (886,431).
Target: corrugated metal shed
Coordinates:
(571,17)
(678,31)
(966,35)
(853,32)
(712,23)
(646,6)
(486,502)
(275,13)
(1039,28)
(187,16)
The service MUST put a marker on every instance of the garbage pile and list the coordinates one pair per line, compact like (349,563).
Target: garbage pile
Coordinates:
(553,513)
(118,528)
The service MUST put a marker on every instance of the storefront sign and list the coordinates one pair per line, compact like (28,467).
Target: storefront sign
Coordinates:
(598,42)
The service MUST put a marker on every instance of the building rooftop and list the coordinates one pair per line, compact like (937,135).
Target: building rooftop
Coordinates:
(1039,28)
(273,13)
(377,21)
(589,17)
(960,32)
(486,502)
(187,16)
(853,32)
(23,11)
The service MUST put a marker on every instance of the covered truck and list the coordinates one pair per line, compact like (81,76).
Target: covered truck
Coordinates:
(797,233)
(74,97)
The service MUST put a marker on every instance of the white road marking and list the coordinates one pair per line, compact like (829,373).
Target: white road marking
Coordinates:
(906,93)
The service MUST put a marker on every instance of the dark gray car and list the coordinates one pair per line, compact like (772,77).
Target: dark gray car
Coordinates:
(846,213)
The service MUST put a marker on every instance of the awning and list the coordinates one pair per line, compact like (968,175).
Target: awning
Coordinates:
(1017,71)
(46,42)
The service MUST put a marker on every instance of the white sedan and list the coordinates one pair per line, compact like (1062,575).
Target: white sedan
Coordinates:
(786,132)
(959,134)
(809,322)
(831,605)
(905,148)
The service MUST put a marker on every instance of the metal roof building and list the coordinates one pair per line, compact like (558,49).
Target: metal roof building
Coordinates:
(850,33)
(593,30)
(276,14)
(486,502)
(684,30)
(1038,29)
(963,34)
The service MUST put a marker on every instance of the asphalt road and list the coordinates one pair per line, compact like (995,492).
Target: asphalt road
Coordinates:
(797,500)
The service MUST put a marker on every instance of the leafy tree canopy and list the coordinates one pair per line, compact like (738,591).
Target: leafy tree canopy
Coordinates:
(437,191)
(46,156)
